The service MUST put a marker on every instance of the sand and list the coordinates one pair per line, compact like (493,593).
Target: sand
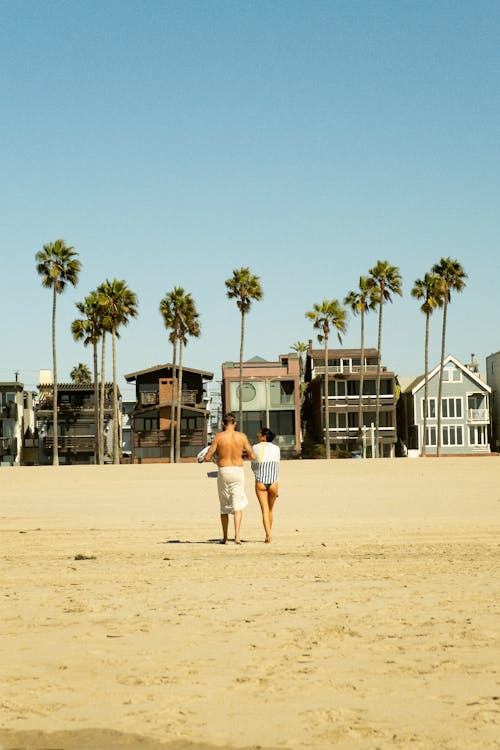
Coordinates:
(371,621)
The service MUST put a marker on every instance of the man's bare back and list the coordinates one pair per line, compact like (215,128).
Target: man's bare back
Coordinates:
(229,446)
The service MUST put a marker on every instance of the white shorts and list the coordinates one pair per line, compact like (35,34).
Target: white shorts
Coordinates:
(231,486)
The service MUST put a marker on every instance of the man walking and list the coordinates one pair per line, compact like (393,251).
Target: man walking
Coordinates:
(229,446)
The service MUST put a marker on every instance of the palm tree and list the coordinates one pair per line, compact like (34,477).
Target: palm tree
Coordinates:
(244,287)
(89,328)
(429,289)
(300,347)
(330,314)
(58,266)
(118,304)
(189,326)
(80,374)
(386,279)
(361,302)
(168,306)
(453,278)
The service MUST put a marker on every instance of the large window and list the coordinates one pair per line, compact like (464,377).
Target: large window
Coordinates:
(478,435)
(453,435)
(451,408)
(431,437)
(431,405)
(282,422)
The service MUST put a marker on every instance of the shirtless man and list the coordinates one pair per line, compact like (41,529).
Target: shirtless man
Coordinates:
(229,446)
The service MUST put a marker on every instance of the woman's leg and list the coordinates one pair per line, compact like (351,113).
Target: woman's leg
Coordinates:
(272,496)
(262,496)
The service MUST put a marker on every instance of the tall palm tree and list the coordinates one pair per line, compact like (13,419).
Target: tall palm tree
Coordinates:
(168,306)
(118,304)
(430,289)
(80,374)
(387,280)
(453,278)
(244,287)
(329,315)
(361,301)
(90,329)
(188,326)
(58,266)
(300,348)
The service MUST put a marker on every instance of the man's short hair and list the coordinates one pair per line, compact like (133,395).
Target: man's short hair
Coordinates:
(229,418)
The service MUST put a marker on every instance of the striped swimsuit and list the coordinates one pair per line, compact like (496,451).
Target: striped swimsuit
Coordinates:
(266,465)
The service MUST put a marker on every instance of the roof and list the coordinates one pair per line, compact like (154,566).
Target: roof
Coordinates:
(339,353)
(420,381)
(167,366)
(71,386)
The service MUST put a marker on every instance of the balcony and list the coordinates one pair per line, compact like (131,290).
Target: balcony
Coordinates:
(478,416)
(8,446)
(346,369)
(73,443)
(152,398)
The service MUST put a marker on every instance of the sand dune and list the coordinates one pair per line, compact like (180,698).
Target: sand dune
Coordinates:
(370,622)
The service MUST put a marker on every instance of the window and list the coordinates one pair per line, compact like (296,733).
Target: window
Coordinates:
(452,375)
(451,408)
(477,435)
(431,437)
(431,402)
(452,435)
(192,423)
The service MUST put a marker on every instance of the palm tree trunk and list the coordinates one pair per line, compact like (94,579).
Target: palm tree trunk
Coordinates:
(440,387)
(179,408)
(423,449)
(379,367)
(173,405)
(97,434)
(103,398)
(116,444)
(361,378)
(327,404)
(55,442)
(240,395)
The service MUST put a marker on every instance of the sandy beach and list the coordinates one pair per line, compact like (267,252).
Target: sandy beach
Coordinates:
(371,621)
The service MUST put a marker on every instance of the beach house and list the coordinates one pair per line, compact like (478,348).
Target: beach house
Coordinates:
(346,370)
(465,411)
(17,424)
(75,421)
(151,416)
(270,398)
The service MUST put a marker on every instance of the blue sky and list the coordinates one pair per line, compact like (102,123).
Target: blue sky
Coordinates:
(171,142)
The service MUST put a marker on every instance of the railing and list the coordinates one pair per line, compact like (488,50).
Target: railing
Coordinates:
(73,443)
(151,398)
(149,438)
(48,405)
(367,400)
(348,369)
(477,415)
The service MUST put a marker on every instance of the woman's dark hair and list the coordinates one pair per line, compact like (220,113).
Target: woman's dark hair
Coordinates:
(268,434)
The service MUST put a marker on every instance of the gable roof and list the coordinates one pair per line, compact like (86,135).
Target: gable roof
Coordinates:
(133,375)
(420,381)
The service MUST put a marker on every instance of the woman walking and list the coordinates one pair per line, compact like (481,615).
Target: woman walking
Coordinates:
(265,466)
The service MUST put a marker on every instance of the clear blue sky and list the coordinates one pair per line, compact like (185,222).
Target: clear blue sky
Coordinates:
(171,142)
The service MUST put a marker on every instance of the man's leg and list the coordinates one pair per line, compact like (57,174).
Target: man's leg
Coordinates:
(224,519)
(238,514)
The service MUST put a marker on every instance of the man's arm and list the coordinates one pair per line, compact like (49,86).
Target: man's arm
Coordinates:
(250,455)
(211,450)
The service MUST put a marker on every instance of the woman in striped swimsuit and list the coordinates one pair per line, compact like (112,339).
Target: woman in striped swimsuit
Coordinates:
(266,469)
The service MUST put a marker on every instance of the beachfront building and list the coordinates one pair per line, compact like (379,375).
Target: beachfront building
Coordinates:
(270,398)
(17,424)
(75,421)
(152,413)
(493,380)
(346,436)
(465,411)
